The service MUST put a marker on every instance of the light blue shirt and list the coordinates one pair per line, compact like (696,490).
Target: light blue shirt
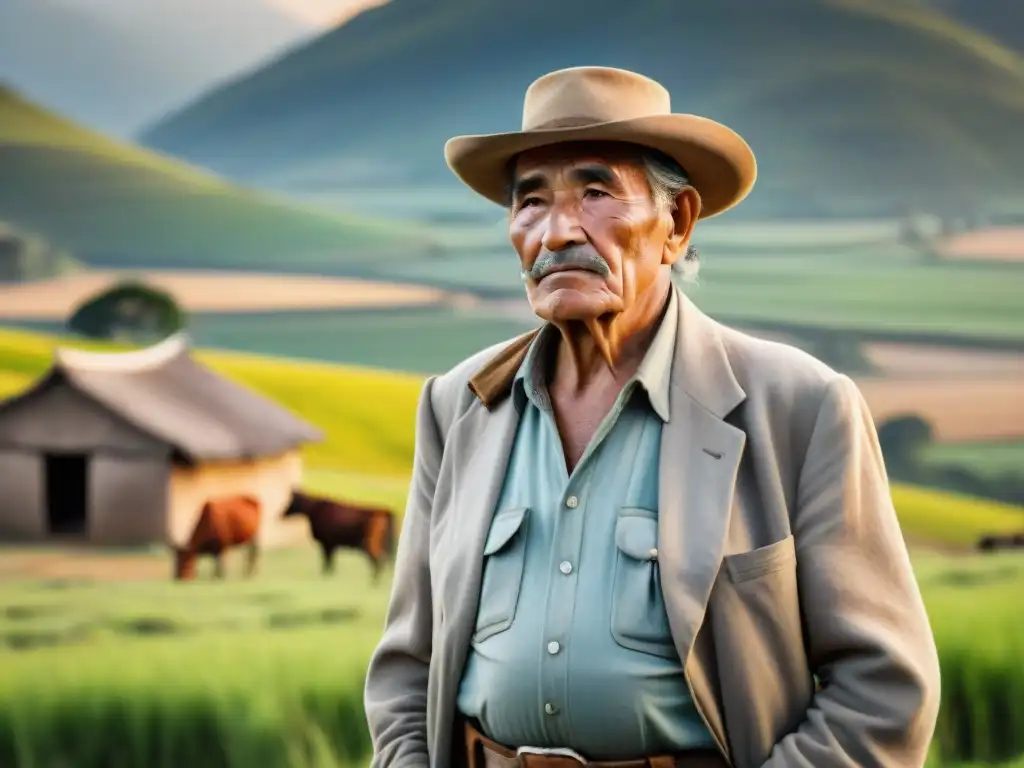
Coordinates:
(572,646)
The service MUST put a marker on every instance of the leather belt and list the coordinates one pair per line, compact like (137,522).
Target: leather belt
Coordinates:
(482,752)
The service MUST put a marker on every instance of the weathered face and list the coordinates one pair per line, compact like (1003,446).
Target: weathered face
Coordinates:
(591,238)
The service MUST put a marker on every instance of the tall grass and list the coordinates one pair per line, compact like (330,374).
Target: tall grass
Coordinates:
(270,673)
(976,615)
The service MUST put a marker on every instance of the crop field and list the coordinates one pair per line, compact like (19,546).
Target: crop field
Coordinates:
(269,671)
(992,244)
(986,459)
(215,292)
(107,652)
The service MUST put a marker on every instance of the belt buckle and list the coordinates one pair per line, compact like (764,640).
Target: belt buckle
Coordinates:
(552,752)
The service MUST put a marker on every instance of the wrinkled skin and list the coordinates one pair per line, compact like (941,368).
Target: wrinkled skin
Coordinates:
(588,210)
(593,203)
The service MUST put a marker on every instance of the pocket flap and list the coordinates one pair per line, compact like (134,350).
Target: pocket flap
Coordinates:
(744,566)
(636,533)
(504,526)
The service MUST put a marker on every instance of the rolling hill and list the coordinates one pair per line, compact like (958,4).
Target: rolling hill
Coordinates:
(854,107)
(115,204)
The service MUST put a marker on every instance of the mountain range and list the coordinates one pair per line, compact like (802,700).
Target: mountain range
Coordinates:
(114,64)
(853,107)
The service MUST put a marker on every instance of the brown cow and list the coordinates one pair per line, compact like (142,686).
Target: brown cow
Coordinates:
(337,524)
(226,522)
(994,542)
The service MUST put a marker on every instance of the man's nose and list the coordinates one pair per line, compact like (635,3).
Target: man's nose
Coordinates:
(563,227)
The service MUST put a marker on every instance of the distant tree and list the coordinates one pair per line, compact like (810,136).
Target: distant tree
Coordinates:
(840,349)
(903,440)
(129,311)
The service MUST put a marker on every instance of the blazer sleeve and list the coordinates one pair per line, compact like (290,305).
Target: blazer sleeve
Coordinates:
(867,633)
(395,695)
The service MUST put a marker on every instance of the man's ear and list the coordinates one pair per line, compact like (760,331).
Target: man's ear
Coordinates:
(684,219)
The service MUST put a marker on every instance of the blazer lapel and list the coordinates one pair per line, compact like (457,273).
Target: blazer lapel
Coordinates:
(700,458)
(481,442)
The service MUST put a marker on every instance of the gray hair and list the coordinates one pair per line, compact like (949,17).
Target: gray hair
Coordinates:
(666,179)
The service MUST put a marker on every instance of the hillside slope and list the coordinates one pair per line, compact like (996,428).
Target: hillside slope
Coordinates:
(854,107)
(112,203)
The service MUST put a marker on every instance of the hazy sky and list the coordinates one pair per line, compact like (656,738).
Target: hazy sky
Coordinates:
(116,65)
(321,13)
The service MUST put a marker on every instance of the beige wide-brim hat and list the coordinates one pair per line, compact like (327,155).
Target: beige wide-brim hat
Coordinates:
(608,104)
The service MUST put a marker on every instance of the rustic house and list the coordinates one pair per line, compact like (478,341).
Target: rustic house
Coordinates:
(124,447)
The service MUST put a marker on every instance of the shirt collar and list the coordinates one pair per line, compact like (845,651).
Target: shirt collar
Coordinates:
(654,373)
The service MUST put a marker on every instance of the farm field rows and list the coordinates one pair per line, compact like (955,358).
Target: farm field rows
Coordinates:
(216,292)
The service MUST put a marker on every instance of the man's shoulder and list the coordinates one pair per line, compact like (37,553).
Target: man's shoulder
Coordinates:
(450,393)
(776,368)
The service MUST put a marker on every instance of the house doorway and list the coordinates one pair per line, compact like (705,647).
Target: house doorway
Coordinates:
(67,494)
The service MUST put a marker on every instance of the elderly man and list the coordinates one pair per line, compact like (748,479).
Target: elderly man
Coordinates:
(637,537)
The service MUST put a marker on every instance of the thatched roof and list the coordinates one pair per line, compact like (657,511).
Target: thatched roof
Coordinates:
(162,391)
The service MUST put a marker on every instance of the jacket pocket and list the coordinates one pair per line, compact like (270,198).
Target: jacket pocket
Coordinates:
(745,566)
(638,618)
(504,555)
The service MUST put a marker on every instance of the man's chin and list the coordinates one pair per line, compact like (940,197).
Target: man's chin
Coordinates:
(566,305)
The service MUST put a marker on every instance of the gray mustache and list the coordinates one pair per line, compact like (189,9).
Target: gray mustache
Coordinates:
(580,258)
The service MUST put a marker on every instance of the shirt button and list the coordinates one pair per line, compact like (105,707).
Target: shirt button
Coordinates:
(572,502)
(565,567)
(550,708)
(553,647)
(653,554)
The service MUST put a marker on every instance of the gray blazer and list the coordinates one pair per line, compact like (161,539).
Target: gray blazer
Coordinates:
(780,553)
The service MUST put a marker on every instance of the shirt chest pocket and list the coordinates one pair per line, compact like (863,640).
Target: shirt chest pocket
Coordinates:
(638,618)
(504,555)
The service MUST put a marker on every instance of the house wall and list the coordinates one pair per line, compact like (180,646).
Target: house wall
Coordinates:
(271,479)
(22,515)
(126,497)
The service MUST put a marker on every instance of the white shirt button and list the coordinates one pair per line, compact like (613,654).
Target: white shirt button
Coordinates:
(572,502)
(565,567)
(653,554)
(550,708)
(554,647)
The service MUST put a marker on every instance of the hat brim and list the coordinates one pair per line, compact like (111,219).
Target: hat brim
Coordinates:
(719,163)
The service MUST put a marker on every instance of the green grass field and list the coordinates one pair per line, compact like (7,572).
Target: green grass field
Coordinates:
(985,459)
(116,203)
(269,672)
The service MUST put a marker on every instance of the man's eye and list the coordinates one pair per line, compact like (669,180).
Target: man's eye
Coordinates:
(591,192)
(529,201)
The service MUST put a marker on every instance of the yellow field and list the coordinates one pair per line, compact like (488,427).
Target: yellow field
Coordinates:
(216,291)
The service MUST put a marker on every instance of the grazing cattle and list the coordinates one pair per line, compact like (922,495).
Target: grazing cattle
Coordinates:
(337,524)
(226,522)
(994,542)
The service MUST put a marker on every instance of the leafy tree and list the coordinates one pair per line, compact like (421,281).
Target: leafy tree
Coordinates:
(129,311)
(903,439)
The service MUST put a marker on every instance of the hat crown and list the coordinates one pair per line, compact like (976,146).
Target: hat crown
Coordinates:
(580,96)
